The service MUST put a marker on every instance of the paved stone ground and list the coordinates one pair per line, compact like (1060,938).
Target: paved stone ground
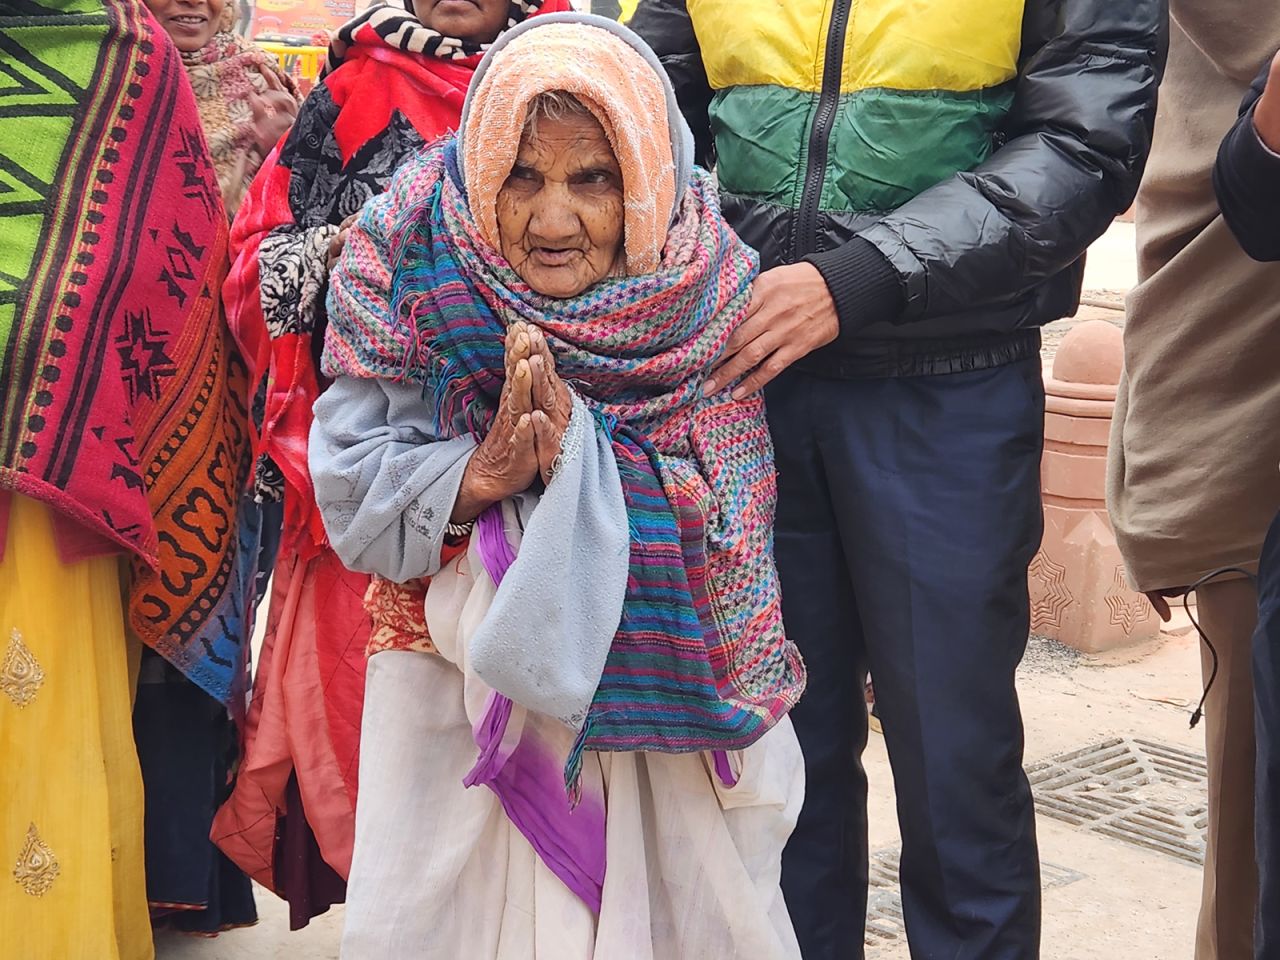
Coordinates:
(1117,773)
(1120,801)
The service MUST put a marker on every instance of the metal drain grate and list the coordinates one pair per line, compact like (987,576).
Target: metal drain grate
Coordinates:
(884,899)
(1147,794)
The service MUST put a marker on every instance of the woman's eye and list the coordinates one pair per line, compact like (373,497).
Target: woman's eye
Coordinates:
(596,178)
(522,173)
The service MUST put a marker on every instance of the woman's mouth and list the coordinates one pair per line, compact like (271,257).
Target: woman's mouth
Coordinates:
(553,257)
(455,7)
(189,20)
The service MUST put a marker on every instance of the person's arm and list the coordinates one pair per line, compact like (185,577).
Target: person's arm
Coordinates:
(667,27)
(384,484)
(275,110)
(1214,28)
(1247,174)
(1074,146)
(1076,142)
(1266,118)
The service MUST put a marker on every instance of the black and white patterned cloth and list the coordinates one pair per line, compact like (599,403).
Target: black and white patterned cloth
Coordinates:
(399,28)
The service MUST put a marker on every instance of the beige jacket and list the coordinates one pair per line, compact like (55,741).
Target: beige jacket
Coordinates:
(1192,479)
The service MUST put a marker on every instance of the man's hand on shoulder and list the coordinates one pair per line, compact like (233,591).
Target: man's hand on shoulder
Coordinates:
(1266,118)
(791,314)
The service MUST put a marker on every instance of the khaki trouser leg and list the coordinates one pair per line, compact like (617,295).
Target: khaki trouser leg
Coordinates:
(1228,613)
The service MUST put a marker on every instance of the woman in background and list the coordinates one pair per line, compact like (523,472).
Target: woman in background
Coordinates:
(247,103)
(187,734)
(395,81)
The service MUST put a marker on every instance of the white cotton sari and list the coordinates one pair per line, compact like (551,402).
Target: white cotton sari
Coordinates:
(441,871)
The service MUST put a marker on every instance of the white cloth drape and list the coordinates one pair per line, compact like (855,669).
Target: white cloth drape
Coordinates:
(439,872)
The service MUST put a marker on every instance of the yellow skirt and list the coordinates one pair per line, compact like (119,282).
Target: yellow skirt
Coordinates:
(71,862)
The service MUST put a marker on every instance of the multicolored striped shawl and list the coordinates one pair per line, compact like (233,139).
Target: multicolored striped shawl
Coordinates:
(700,660)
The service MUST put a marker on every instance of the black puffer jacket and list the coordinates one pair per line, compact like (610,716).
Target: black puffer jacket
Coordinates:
(945,173)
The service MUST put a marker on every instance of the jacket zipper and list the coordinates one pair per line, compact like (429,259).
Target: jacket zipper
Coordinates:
(804,240)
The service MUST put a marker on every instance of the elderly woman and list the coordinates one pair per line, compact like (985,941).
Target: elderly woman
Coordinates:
(395,81)
(520,331)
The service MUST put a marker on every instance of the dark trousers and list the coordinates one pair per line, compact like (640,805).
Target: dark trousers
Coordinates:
(1266,694)
(909,511)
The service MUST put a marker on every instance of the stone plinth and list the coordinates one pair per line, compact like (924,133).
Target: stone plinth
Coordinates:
(1079,595)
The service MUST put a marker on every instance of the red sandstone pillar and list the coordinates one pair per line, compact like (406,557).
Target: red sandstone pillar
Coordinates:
(1079,595)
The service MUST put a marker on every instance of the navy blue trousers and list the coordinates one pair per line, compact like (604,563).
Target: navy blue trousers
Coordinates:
(1266,705)
(909,511)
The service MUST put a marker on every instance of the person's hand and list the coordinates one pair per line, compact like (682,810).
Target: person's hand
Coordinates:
(339,239)
(506,463)
(274,111)
(552,403)
(1160,600)
(1266,116)
(791,314)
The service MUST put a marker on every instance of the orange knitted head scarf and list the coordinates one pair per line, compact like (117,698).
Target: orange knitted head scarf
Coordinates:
(620,81)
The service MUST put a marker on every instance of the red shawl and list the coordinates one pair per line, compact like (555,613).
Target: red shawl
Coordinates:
(129,257)
(123,401)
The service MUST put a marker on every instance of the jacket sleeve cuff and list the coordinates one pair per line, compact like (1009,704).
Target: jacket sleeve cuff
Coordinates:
(863,283)
(1247,180)
(1257,162)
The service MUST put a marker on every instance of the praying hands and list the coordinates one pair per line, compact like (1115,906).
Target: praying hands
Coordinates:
(524,442)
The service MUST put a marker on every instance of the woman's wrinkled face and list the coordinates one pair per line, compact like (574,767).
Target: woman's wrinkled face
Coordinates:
(191,23)
(479,21)
(560,213)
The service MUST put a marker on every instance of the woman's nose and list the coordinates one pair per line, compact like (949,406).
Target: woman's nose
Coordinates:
(553,217)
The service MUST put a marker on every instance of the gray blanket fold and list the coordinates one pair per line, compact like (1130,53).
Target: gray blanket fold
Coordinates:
(386,489)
